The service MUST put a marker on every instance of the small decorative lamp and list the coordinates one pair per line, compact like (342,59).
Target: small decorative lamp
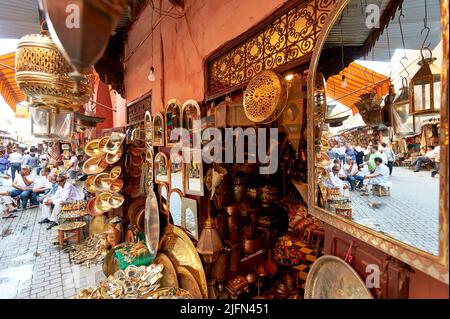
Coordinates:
(425,87)
(209,245)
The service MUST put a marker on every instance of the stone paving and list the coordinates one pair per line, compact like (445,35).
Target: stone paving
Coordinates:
(410,214)
(31,266)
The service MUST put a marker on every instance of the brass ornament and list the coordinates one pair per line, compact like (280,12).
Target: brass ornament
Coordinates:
(169,278)
(115,172)
(42,73)
(265,94)
(116,200)
(102,182)
(114,158)
(95,165)
(102,203)
(92,148)
(89,184)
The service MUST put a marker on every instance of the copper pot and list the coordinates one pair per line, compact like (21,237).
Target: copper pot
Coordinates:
(239,192)
(235,258)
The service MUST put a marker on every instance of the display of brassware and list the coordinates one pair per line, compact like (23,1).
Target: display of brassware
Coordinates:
(42,73)
(116,200)
(114,143)
(115,172)
(114,158)
(137,160)
(151,223)
(102,182)
(92,251)
(131,283)
(187,281)
(102,143)
(135,171)
(89,183)
(95,165)
(116,186)
(97,225)
(92,210)
(102,202)
(92,148)
(169,278)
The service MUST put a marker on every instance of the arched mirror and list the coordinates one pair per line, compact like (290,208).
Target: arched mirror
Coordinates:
(194,175)
(175,206)
(161,168)
(176,172)
(173,122)
(379,151)
(189,217)
(163,195)
(191,116)
(158,130)
(148,128)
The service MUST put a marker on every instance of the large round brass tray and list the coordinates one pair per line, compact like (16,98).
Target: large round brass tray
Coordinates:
(151,223)
(134,208)
(169,278)
(110,262)
(187,281)
(265,93)
(177,245)
(92,148)
(102,182)
(332,278)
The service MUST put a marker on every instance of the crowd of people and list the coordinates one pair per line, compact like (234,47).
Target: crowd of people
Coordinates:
(355,168)
(37,181)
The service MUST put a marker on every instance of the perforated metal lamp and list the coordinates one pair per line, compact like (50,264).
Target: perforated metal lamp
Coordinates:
(425,87)
(209,245)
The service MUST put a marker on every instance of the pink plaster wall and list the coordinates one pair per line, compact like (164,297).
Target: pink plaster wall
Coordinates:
(185,43)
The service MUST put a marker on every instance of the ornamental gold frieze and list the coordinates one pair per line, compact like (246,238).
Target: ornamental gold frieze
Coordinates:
(42,73)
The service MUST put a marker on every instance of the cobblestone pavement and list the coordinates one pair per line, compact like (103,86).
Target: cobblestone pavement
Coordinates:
(31,266)
(410,214)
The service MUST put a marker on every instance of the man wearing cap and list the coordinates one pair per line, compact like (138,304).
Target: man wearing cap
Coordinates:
(66,193)
(23,186)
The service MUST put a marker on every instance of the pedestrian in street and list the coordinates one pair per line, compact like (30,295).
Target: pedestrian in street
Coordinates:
(33,162)
(22,186)
(390,156)
(73,166)
(25,157)
(359,154)
(15,160)
(66,193)
(4,166)
(350,152)
(429,157)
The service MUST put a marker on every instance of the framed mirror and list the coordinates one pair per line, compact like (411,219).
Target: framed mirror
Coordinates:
(176,172)
(190,112)
(175,206)
(161,169)
(148,128)
(173,121)
(189,217)
(158,130)
(380,168)
(194,176)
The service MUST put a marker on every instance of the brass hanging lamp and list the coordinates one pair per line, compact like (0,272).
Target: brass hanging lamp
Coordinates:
(209,245)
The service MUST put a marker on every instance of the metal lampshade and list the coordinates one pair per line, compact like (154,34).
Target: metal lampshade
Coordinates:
(81,29)
(209,245)
(426,87)
(51,125)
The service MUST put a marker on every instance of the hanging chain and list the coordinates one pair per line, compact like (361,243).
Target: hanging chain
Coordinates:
(404,78)
(427,29)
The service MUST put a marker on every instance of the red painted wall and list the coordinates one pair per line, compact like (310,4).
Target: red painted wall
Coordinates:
(422,286)
(185,43)
(103,97)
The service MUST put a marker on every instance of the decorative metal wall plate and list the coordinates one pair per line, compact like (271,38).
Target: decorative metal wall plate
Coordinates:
(265,93)
(332,278)
(187,281)
(169,278)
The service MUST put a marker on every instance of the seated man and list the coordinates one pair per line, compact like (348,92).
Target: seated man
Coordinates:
(41,185)
(22,184)
(379,177)
(429,157)
(334,181)
(351,171)
(437,161)
(46,210)
(341,174)
(66,193)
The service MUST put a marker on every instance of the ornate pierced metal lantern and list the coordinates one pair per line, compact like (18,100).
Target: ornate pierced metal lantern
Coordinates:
(42,74)
(426,87)
(209,244)
(81,29)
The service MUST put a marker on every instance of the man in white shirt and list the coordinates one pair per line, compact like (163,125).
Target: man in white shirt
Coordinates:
(66,193)
(378,177)
(41,184)
(429,157)
(23,185)
(437,161)
(334,181)
(15,159)
(351,171)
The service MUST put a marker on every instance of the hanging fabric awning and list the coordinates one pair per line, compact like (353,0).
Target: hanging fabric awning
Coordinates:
(359,80)
(8,86)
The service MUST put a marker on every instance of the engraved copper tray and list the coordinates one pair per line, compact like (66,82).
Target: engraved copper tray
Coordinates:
(332,278)
(177,245)
(187,281)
